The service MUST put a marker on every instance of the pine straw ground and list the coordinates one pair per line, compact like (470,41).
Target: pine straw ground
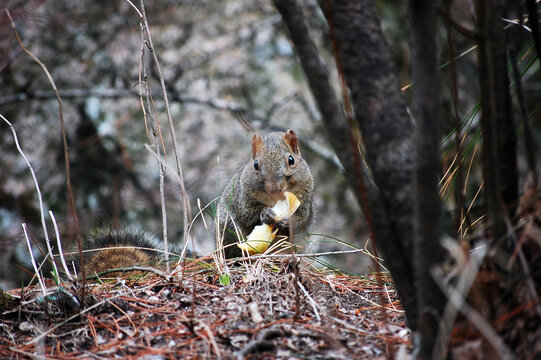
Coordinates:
(191,315)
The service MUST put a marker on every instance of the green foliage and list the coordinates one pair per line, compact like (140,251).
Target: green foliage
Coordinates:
(225,279)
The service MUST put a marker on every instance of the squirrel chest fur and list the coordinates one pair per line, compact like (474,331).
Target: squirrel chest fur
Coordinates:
(276,166)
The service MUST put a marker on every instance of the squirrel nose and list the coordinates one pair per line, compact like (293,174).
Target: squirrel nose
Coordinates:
(274,188)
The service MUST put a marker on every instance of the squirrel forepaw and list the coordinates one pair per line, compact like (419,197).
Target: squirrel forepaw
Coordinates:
(268,217)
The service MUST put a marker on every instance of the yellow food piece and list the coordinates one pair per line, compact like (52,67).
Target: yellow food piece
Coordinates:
(262,236)
(287,207)
(259,239)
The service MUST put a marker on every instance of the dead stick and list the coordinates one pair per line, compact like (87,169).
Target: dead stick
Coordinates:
(66,156)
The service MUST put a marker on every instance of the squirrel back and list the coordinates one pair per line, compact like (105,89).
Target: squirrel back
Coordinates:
(276,166)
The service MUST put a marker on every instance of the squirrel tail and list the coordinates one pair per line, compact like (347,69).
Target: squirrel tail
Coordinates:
(110,248)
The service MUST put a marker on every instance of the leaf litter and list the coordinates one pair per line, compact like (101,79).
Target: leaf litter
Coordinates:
(191,315)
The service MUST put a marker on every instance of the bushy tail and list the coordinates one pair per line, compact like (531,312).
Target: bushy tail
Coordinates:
(113,248)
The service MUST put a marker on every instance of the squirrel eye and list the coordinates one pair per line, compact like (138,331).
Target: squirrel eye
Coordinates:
(256,165)
(290,160)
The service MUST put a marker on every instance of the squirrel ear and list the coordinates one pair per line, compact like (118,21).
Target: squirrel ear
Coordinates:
(291,139)
(257,142)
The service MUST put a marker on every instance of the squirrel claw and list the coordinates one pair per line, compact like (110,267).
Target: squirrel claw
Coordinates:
(268,217)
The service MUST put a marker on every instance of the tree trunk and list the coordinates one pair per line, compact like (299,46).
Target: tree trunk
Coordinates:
(499,138)
(387,131)
(427,249)
(328,103)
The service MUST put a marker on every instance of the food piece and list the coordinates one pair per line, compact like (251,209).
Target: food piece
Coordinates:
(259,239)
(285,208)
(262,236)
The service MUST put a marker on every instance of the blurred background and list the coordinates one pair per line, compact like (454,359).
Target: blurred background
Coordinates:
(224,62)
(228,66)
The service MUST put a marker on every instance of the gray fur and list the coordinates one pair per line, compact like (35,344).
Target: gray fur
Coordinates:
(248,191)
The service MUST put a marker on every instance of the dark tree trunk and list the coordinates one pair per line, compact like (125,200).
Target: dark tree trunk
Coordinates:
(499,139)
(328,103)
(387,133)
(427,249)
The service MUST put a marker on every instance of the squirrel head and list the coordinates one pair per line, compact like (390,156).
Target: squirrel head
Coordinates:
(276,165)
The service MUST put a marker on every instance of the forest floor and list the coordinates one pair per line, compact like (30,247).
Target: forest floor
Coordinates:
(260,314)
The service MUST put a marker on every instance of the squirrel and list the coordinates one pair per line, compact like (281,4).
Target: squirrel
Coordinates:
(111,248)
(276,166)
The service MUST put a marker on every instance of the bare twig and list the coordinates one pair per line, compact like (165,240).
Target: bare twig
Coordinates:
(59,243)
(154,136)
(38,191)
(40,278)
(529,141)
(461,29)
(533,18)
(476,319)
(523,264)
(30,355)
(310,300)
(212,340)
(146,41)
(66,156)
(295,265)
(135,8)
(184,194)
(312,255)
(464,283)
(161,161)
(52,329)
(40,199)
(213,103)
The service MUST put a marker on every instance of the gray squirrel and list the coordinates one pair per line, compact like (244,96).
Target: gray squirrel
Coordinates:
(276,166)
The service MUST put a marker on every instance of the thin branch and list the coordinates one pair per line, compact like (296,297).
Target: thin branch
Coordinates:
(135,8)
(155,135)
(40,278)
(213,103)
(311,255)
(184,194)
(60,251)
(533,18)
(529,141)
(476,319)
(463,286)
(295,265)
(523,264)
(52,329)
(310,300)
(36,185)
(66,155)
(461,29)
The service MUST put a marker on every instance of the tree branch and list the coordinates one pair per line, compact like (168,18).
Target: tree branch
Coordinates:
(214,103)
